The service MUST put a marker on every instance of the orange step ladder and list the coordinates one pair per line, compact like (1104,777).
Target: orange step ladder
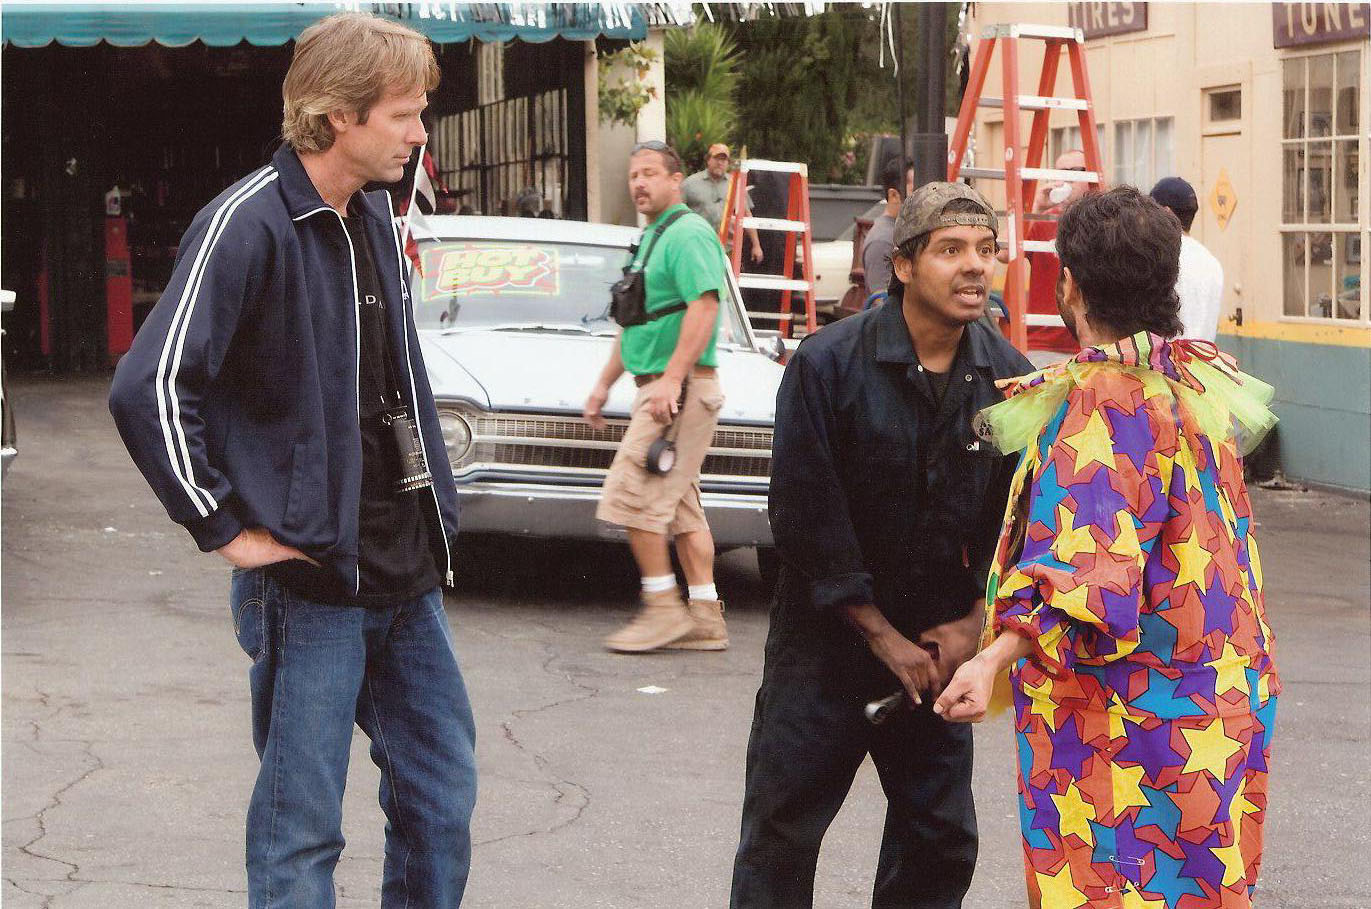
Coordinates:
(795,224)
(1021,173)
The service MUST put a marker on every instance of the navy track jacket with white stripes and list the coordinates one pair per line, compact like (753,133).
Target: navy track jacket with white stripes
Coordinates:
(238,399)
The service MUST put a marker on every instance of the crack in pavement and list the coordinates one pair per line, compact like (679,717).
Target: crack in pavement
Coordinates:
(568,792)
(83,881)
(55,800)
(22,889)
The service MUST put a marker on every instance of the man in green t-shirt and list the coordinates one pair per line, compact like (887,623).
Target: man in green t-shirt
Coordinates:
(673,361)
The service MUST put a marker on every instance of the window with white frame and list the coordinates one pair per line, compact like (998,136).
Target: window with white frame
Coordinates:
(1144,151)
(1322,225)
(1065,138)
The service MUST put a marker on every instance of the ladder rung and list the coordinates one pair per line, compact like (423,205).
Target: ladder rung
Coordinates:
(771,282)
(1060,32)
(1035,173)
(776,316)
(1031,215)
(1038,102)
(1034,246)
(1042,320)
(1064,176)
(795,227)
(780,167)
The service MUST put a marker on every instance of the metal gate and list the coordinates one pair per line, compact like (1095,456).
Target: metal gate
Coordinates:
(493,153)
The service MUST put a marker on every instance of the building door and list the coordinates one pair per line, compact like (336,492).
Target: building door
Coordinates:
(1224,221)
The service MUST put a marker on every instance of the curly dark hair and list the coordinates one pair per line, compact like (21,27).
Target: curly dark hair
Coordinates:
(1123,250)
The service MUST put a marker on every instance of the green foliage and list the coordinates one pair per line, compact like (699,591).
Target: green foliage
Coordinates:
(703,59)
(701,78)
(621,99)
(797,89)
(814,89)
(694,122)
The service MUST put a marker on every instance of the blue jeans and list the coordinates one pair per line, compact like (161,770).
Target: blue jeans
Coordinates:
(316,670)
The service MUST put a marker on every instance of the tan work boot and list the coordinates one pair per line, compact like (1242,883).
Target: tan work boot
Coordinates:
(662,620)
(709,631)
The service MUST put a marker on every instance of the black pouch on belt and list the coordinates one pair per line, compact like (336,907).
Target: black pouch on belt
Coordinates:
(628,295)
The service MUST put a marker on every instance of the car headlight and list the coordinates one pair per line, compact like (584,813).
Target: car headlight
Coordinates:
(456,435)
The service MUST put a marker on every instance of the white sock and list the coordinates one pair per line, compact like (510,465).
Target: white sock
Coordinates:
(659,584)
(703,592)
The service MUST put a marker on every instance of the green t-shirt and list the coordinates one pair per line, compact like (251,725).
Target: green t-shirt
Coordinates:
(687,261)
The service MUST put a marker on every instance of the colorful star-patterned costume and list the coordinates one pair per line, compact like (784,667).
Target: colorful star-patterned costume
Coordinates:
(1144,712)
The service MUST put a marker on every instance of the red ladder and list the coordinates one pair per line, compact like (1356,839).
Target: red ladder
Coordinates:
(1021,177)
(796,223)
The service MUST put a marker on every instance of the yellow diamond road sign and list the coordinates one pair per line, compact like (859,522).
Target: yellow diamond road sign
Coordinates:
(1222,200)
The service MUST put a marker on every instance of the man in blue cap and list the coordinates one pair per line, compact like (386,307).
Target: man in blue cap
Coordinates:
(1200,285)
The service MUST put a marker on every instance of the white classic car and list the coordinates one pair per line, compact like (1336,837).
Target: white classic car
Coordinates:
(513,319)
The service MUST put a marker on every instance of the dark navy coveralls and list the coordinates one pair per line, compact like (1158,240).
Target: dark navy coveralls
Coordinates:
(880,493)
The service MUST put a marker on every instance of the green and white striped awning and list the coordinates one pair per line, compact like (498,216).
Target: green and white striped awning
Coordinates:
(265,24)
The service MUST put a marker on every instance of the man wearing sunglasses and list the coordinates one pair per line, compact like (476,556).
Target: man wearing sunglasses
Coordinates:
(706,193)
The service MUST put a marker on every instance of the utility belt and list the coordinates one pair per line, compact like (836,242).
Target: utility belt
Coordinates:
(645,378)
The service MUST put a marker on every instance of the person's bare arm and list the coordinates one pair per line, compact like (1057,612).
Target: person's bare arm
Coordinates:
(614,368)
(255,547)
(967,697)
(756,244)
(697,327)
(910,663)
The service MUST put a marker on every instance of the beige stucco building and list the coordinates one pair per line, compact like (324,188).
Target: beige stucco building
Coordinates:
(1264,108)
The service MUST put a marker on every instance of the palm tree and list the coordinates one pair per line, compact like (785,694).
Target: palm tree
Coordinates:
(701,78)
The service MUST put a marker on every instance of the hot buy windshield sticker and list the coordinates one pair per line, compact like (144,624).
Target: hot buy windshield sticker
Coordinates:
(464,269)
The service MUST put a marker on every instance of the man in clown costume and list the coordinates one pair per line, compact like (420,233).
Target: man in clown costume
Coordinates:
(1126,594)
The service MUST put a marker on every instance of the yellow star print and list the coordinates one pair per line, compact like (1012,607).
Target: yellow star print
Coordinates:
(1192,560)
(1076,814)
(1127,788)
(1092,443)
(1234,869)
(1210,749)
(1074,602)
(1230,520)
(1126,540)
(1132,899)
(1040,702)
(1255,559)
(1058,890)
(1166,465)
(1241,805)
(1118,713)
(1070,540)
(1231,668)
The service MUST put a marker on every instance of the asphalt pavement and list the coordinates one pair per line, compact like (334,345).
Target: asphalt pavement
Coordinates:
(605,781)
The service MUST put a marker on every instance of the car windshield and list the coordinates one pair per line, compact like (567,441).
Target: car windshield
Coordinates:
(516,285)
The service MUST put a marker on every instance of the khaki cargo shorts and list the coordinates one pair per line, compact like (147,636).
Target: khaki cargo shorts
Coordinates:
(669,504)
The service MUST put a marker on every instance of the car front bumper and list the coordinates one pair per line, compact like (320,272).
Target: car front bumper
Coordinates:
(568,512)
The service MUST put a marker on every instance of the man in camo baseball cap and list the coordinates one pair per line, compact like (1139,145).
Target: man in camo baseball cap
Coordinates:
(926,209)
(883,508)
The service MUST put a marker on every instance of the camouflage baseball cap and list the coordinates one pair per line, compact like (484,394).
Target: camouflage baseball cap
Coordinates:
(923,211)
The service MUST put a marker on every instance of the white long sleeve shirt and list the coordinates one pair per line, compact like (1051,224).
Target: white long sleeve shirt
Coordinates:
(1200,288)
